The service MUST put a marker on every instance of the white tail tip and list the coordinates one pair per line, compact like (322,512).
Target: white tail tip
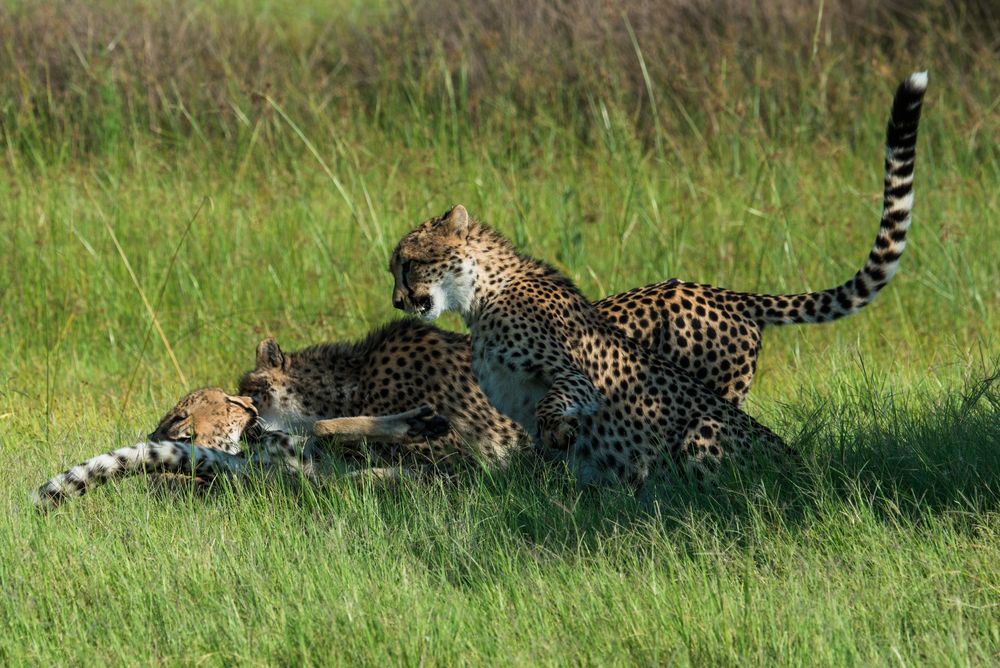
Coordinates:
(918,81)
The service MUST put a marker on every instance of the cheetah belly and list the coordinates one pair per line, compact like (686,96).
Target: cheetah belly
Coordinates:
(513,393)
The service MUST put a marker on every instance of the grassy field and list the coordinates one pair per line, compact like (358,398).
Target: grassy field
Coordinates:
(274,212)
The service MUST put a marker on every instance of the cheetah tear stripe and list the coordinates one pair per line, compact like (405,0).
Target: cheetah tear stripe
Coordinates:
(883,260)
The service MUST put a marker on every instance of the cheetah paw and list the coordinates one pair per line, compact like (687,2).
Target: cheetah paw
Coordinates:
(423,422)
(558,433)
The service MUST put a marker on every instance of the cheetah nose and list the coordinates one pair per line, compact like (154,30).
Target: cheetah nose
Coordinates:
(397,302)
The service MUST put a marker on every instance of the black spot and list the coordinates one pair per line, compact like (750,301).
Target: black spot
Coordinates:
(875,273)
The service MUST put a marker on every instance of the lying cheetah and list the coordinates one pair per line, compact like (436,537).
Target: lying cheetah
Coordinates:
(548,358)
(201,436)
(405,363)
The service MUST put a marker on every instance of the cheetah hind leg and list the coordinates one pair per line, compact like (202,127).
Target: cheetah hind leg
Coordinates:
(699,453)
(708,441)
(571,399)
(696,455)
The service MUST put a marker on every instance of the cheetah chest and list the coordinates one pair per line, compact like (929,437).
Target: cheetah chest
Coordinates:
(515,393)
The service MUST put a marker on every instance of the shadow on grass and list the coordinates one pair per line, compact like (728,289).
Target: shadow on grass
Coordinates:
(895,466)
(908,461)
(886,463)
(912,460)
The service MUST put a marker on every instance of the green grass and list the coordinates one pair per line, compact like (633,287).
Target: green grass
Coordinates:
(882,549)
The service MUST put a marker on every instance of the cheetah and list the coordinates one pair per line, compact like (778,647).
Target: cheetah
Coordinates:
(549,359)
(714,333)
(402,364)
(202,436)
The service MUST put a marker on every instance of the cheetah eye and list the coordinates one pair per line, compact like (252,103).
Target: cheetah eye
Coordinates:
(182,431)
(179,434)
(175,423)
(404,272)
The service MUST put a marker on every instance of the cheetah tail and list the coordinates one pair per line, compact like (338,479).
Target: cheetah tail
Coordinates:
(883,260)
(163,457)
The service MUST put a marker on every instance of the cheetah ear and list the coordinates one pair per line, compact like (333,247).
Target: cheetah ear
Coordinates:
(457,219)
(269,355)
(245,402)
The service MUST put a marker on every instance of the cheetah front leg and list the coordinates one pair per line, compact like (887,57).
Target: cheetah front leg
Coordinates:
(416,425)
(571,396)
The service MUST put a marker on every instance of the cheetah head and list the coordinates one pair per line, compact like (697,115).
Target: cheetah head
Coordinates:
(432,267)
(207,417)
(272,389)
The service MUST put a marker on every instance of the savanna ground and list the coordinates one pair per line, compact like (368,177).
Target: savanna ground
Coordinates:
(243,169)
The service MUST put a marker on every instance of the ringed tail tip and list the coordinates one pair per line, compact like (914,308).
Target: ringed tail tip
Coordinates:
(917,82)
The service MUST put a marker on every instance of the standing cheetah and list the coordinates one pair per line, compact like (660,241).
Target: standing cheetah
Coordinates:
(715,334)
(201,436)
(549,359)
